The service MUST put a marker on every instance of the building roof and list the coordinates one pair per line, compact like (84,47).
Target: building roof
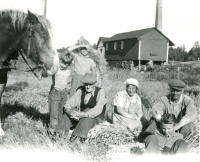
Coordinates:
(133,34)
(103,39)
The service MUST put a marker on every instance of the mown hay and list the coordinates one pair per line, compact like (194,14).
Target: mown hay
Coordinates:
(106,134)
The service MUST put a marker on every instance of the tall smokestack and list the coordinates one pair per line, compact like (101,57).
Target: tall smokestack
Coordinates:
(44,7)
(158,24)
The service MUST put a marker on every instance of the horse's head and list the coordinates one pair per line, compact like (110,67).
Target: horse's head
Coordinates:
(37,42)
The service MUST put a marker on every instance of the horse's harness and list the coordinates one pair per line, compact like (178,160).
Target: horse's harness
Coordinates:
(40,63)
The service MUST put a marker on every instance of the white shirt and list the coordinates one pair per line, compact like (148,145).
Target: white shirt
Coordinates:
(60,79)
(83,64)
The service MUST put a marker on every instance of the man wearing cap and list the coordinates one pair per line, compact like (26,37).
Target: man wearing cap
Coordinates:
(127,106)
(87,105)
(180,105)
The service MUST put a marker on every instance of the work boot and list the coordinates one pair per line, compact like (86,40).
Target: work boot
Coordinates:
(73,138)
(82,139)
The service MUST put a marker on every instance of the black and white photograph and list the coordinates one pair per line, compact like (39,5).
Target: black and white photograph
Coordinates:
(99,80)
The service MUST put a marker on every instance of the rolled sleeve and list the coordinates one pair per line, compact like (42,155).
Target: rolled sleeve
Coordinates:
(74,101)
(101,101)
(191,112)
(119,100)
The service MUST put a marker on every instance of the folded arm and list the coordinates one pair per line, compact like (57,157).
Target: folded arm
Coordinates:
(101,101)
(190,114)
(74,101)
(71,49)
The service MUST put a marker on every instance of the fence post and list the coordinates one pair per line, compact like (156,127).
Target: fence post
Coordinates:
(178,72)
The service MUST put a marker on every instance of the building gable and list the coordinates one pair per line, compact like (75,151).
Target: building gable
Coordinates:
(153,46)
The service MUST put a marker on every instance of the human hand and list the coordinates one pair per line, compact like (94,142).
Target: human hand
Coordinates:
(136,118)
(178,125)
(74,115)
(157,117)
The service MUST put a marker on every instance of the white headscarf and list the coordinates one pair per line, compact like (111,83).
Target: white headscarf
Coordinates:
(132,81)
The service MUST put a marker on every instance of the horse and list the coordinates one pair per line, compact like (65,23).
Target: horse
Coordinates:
(27,34)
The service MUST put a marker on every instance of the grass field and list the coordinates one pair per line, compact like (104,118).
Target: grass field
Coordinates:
(25,112)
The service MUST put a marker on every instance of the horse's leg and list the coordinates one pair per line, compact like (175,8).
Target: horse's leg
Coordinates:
(2,88)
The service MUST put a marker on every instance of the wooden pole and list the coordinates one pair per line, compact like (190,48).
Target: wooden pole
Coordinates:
(139,53)
(167,56)
(178,72)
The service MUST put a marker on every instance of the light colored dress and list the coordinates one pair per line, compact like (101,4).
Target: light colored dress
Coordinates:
(131,105)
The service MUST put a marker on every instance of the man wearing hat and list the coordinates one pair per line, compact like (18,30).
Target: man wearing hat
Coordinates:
(180,105)
(86,106)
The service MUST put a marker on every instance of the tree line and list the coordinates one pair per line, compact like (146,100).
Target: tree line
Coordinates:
(180,53)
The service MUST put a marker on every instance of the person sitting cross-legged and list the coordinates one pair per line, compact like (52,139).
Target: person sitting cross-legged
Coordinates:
(87,105)
(164,140)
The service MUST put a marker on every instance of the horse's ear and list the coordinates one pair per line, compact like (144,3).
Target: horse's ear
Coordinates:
(32,18)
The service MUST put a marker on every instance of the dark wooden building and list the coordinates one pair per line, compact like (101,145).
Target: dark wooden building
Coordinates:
(139,46)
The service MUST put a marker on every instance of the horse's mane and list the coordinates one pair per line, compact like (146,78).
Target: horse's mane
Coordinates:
(18,19)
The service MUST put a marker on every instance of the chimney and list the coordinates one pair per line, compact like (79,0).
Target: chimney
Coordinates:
(158,23)
(44,7)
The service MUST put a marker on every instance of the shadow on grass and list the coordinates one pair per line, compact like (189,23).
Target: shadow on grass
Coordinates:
(30,112)
(18,86)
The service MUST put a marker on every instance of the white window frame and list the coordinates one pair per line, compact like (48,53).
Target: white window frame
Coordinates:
(122,44)
(115,45)
(106,46)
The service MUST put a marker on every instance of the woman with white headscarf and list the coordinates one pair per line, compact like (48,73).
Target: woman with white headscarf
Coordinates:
(127,106)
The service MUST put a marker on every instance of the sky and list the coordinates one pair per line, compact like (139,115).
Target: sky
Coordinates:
(92,19)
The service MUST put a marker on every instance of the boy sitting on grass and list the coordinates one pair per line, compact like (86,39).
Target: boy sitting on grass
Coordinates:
(165,140)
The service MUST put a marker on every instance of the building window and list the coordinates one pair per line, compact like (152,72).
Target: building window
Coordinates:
(115,45)
(101,50)
(122,44)
(106,46)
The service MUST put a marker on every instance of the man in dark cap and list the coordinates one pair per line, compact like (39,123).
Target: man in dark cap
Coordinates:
(86,106)
(180,105)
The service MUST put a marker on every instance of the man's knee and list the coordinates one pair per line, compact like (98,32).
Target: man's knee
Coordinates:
(188,129)
(181,142)
(151,138)
(53,123)
(151,144)
(178,147)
